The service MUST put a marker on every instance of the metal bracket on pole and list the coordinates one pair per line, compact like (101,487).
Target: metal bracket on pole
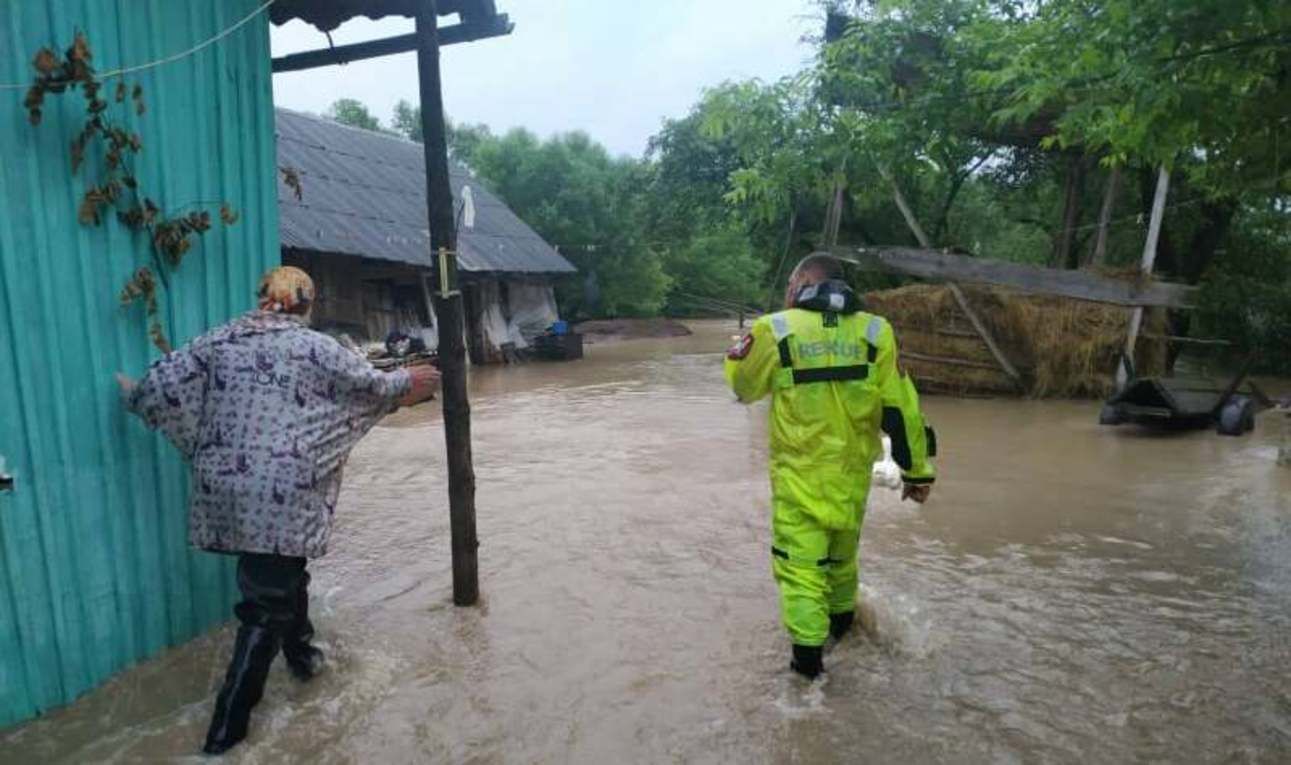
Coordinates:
(445,270)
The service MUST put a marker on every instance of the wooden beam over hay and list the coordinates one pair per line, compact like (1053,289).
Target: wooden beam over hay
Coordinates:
(1081,285)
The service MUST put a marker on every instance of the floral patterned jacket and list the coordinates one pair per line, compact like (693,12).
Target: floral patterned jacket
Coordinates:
(266,412)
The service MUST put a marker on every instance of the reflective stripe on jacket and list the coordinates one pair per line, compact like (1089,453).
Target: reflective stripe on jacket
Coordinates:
(835,385)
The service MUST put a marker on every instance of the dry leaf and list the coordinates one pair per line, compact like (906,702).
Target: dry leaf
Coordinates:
(80,50)
(88,212)
(46,61)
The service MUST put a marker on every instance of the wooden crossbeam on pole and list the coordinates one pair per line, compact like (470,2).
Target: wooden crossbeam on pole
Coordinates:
(343,54)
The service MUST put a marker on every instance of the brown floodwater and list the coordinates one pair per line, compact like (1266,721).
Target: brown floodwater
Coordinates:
(1070,593)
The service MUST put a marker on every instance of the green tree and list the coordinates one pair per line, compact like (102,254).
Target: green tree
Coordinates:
(464,140)
(1197,85)
(716,270)
(584,202)
(406,121)
(352,112)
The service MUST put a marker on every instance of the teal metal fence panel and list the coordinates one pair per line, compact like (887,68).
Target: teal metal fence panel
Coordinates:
(95,573)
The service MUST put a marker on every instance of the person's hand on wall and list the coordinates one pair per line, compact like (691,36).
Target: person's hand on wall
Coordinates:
(126,384)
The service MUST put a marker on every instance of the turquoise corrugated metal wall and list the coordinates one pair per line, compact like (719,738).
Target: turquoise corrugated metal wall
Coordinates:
(95,573)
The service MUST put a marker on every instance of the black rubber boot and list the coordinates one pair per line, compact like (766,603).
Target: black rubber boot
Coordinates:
(807,661)
(841,624)
(253,652)
(304,660)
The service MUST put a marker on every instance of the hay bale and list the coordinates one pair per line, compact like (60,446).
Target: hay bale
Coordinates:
(1063,347)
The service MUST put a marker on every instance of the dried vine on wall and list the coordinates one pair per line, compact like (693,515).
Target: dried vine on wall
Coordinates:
(170,236)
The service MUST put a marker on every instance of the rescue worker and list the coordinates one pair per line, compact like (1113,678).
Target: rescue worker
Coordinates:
(831,371)
(266,411)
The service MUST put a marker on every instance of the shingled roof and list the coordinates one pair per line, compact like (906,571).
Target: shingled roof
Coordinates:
(363,193)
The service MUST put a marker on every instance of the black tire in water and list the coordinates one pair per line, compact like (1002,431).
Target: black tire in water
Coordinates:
(1111,415)
(1236,417)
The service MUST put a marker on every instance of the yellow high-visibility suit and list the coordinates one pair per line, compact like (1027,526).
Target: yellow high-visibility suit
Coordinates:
(831,371)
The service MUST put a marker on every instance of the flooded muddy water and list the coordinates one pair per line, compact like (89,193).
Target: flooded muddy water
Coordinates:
(1070,593)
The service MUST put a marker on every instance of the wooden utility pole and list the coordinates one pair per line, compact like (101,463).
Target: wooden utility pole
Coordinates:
(448,312)
(1149,259)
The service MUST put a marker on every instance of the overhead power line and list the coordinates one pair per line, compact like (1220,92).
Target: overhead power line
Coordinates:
(168,59)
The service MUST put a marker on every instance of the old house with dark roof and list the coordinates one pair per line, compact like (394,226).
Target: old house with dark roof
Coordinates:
(357,223)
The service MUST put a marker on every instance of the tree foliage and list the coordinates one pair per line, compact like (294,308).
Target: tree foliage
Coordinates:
(352,112)
(407,121)
(1001,122)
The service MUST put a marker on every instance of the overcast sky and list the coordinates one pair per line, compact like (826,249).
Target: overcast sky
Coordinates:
(612,68)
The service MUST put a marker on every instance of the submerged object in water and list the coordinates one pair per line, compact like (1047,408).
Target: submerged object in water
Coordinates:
(1183,404)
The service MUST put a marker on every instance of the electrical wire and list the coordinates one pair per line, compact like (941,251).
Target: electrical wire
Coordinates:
(168,59)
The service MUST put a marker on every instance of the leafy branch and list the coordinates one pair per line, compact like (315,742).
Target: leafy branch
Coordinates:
(170,236)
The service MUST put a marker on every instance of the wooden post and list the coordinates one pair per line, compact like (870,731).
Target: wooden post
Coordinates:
(448,311)
(1149,259)
(907,212)
(960,298)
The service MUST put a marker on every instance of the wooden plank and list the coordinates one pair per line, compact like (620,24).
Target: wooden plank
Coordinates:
(1185,340)
(954,333)
(933,385)
(978,325)
(344,54)
(931,359)
(1081,285)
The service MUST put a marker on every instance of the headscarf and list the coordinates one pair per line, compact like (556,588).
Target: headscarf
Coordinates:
(286,289)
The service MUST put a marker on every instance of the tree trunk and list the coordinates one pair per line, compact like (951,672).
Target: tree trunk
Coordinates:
(956,185)
(1063,249)
(1187,261)
(1099,258)
(784,257)
(1216,220)
(834,216)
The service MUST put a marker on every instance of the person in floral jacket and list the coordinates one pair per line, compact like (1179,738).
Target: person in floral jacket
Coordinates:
(266,410)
